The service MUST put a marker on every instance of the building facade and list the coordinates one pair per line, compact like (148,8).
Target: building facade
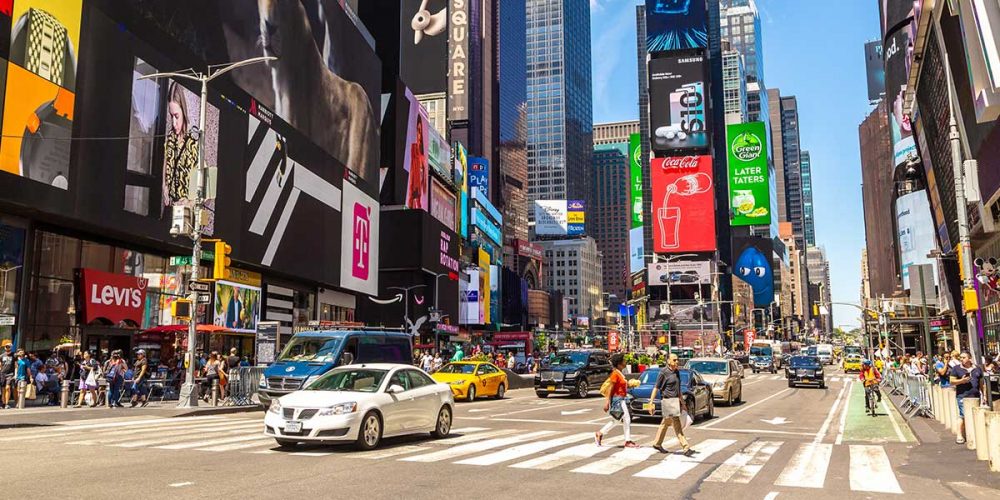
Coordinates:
(614,133)
(791,152)
(574,269)
(608,221)
(819,274)
(808,216)
(513,126)
(777,151)
(560,121)
(877,193)
(734,85)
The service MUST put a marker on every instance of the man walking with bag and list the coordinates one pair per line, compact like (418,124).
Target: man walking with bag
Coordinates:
(668,385)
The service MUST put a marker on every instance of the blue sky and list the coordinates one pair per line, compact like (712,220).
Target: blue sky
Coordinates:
(812,51)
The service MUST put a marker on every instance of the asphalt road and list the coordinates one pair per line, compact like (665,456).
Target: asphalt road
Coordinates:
(779,443)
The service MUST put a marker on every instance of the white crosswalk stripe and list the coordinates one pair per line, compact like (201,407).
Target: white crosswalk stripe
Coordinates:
(676,465)
(744,466)
(871,470)
(569,455)
(619,461)
(470,448)
(524,450)
(807,468)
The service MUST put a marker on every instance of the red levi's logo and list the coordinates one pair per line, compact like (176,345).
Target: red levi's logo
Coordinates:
(113,297)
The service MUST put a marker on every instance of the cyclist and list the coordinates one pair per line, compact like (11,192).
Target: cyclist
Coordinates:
(871,377)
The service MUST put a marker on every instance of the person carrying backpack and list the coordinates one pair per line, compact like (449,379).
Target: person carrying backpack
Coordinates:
(615,391)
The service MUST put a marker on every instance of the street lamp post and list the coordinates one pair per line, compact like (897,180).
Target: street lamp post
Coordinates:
(668,260)
(406,300)
(189,391)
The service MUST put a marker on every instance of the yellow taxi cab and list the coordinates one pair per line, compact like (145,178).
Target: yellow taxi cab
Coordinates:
(471,379)
(852,363)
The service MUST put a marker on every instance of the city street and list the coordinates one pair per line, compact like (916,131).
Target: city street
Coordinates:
(780,442)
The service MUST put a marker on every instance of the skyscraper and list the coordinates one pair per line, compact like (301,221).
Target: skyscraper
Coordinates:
(741,26)
(777,154)
(878,192)
(642,73)
(808,220)
(609,218)
(513,98)
(819,274)
(793,169)
(734,86)
(560,117)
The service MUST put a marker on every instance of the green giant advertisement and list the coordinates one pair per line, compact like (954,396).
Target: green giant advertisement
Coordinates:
(749,195)
(635,178)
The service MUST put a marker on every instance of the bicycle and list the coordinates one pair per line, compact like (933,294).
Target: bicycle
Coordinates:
(870,396)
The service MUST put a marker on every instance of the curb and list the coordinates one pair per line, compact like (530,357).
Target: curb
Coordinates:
(218,410)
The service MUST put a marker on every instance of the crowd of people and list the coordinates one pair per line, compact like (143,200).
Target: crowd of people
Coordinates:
(431,360)
(113,378)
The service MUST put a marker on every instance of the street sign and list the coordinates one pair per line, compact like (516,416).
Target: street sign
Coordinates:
(6,320)
(199,286)
(204,298)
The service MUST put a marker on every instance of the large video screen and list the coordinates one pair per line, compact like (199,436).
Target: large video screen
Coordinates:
(676,25)
(678,103)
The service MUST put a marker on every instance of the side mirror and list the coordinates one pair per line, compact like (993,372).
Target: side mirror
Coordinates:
(394,389)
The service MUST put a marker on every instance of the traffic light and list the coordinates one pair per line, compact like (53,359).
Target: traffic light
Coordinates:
(222,260)
(181,309)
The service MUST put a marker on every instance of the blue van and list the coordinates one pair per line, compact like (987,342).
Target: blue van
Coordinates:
(311,354)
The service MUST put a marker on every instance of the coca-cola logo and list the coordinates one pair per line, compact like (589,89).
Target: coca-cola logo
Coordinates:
(680,162)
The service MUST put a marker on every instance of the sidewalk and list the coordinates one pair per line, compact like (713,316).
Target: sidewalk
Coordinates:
(54,415)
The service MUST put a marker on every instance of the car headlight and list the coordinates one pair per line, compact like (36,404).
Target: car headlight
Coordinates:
(571,374)
(262,382)
(457,382)
(275,407)
(341,409)
(719,385)
(309,380)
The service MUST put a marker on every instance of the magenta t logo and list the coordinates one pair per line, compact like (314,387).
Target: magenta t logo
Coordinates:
(361,233)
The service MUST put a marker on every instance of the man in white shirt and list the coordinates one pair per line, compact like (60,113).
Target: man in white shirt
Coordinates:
(426,361)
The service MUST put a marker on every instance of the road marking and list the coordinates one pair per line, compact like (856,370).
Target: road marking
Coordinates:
(829,418)
(75,429)
(741,410)
(547,407)
(117,437)
(743,466)
(895,425)
(776,421)
(621,460)
(390,452)
(759,431)
(843,414)
(807,468)
(212,442)
(871,470)
(161,439)
(575,412)
(570,455)
(180,485)
(264,441)
(771,496)
(525,450)
(477,410)
(676,465)
(468,449)
(477,436)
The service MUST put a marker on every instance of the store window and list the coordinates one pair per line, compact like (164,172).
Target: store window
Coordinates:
(12,240)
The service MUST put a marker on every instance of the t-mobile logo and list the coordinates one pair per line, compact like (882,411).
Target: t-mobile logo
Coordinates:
(361,237)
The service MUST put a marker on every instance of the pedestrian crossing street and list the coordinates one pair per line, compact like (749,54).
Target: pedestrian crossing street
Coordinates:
(718,460)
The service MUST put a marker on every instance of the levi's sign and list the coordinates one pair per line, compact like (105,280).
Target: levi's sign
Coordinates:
(112,297)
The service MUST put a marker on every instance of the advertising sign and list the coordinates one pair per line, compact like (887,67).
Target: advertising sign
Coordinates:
(676,24)
(680,273)
(479,199)
(916,233)
(468,299)
(484,287)
(267,341)
(550,217)
(237,306)
(443,204)
(753,264)
(423,45)
(683,205)
(461,176)
(896,72)
(636,249)
(613,341)
(487,226)
(678,103)
(112,297)
(415,160)
(575,217)
(635,179)
(530,250)
(749,190)
(875,69)
(359,245)
(479,175)
(458,60)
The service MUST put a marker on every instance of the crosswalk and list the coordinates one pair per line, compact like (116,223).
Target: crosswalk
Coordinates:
(717,460)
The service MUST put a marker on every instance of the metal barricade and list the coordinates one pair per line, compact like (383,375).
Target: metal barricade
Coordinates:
(242,386)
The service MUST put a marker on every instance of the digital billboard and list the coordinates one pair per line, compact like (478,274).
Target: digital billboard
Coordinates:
(635,179)
(415,158)
(423,45)
(875,69)
(443,204)
(678,103)
(752,263)
(479,175)
(237,306)
(461,176)
(458,60)
(680,273)
(636,249)
(896,73)
(683,204)
(749,189)
(916,232)
(676,24)
(359,243)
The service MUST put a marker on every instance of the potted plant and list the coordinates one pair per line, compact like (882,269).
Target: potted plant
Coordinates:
(632,362)
(644,361)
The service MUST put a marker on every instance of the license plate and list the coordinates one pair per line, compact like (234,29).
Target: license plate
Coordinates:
(805,380)
(552,387)
(648,406)
(293,426)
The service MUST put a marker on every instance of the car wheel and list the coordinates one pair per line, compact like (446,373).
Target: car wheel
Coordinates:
(739,396)
(691,408)
(542,395)
(822,385)
(729,398)
(370,432)
(286,443)
(471,395)
(500,391)
(443,427)
(582,389)
(711,409)
(791,384)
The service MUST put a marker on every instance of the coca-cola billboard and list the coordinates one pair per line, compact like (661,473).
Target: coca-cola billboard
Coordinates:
(683,204)
(111,298)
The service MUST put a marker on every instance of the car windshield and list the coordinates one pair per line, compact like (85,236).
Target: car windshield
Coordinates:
(351,380)
(804,361)
(709,367)
(760,351)
(321,349)
(570,359)
(458,368)
(648,377)
(853,358)
(811,351)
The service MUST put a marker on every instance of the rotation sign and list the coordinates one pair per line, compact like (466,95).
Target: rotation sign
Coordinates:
(749,192)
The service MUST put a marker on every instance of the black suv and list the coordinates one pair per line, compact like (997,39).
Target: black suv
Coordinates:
(574,371)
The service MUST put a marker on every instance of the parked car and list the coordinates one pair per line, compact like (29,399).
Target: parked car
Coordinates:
(852,363)
(805,370)
(575,372)
(697,394)
(471,379)
(723,374)
(363,404)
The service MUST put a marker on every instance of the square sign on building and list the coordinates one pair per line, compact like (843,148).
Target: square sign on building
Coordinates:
(749,191)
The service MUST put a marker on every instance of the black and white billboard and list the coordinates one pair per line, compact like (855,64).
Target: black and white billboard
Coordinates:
(678,103)
(875,70)
(423,45)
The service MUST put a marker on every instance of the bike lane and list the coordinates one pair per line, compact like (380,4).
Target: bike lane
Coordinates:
(887,426)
